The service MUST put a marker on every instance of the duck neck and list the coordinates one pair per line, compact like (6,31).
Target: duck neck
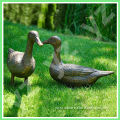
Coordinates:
(57,58)
(29,48)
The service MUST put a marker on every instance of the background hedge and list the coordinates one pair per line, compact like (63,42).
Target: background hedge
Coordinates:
(67,18)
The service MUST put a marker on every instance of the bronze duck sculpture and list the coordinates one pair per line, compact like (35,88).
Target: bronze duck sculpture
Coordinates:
(22,64)
(70,74)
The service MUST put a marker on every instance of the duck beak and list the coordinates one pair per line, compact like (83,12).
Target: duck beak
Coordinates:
(38,41)
(45,42)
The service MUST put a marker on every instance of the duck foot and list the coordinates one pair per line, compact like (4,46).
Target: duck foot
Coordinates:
(26,81)
(12,79)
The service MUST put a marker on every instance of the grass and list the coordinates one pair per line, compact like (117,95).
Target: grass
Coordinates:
(44,97)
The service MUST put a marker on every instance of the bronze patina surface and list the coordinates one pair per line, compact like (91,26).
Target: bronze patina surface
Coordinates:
(70,74)
(22,64)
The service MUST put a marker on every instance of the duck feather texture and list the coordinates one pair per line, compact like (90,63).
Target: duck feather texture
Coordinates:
(71,74)
(22,64)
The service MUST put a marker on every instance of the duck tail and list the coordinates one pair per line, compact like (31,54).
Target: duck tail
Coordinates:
(104,73)
(10,50)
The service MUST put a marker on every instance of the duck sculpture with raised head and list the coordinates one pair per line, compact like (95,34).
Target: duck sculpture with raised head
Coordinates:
(22,64)
(70,74)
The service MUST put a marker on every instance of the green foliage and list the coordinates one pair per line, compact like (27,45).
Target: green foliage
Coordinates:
(6,11)
(62,17)
(42,16)
(45,96)
(11,12)
(50,16)
(107,28)
(27,14)
(77,14)
(59,18)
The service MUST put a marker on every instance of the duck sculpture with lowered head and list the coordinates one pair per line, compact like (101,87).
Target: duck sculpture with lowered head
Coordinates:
(70,74)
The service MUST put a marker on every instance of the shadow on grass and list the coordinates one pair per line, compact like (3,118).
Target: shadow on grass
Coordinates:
(19,89)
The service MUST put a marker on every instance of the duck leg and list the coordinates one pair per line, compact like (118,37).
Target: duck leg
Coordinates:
(26,80)
(12,79)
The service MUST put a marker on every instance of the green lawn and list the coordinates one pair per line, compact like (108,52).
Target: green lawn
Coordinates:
(44,97)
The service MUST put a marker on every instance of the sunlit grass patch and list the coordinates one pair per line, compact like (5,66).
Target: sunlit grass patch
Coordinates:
(44,97)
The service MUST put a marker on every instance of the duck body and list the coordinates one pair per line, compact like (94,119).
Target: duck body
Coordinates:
(22,64)
(71,74)
(75,75)
(19,66)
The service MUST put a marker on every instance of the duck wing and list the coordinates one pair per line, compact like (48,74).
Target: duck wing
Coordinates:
(77,70)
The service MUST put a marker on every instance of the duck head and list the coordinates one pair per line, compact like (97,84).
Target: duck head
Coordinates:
(33,36)
(55,41)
